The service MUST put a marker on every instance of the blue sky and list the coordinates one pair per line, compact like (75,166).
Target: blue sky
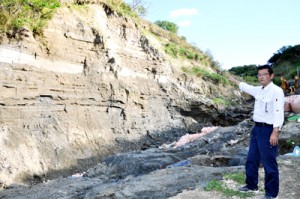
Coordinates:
(235,32)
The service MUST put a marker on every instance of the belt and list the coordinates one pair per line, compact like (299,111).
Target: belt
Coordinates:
(262,124)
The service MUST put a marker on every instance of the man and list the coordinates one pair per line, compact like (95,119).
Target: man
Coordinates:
(268,117)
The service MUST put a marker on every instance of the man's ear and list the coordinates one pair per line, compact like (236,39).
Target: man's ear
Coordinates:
(272,76)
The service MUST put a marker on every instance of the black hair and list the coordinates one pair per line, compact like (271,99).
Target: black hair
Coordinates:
(270,69)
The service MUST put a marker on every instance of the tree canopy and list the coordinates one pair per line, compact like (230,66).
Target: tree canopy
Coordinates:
(286,53)
(246,70)
(167,25)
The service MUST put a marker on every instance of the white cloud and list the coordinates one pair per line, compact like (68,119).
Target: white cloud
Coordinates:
(184,23)
(183,12)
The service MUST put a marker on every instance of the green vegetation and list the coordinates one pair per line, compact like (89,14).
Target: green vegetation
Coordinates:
(32,14)
(246,70)
(285,53)
(214,185)
(185,51)
(277,81)
(122,8)
(176,46)
(237,177)
(200,72)
(81,8)
(177,51)
(141,11)
(284,62)
(221,101)
(139,6)
(290,142)
(166,25)
(251,80)
(221,186)
(115,5)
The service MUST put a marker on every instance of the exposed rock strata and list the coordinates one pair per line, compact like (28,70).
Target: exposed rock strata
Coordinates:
(91,85)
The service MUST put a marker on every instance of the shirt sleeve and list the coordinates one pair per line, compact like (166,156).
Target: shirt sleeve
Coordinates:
(278,101)
(251,90)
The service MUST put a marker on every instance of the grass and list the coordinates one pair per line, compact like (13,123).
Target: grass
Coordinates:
(122,8)
(179,51)
(201,72)
(237,177)
(33,14)
(79,8)
(221,186)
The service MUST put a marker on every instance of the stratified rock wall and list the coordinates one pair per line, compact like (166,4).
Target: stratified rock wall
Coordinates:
(93,78)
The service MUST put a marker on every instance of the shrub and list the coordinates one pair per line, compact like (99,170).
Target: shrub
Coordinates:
(218,78)
(177,51)
(221,101)
(246,70)
(166,25)
(277,81)
(171,49)
(122,8)
(251,79)
(33,14)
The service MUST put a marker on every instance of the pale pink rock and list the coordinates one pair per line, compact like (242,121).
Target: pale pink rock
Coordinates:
(292,103)
(191,137)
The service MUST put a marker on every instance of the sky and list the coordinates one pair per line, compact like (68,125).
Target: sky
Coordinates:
(234,32)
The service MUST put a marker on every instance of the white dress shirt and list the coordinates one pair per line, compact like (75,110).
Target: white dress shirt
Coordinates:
(269,103)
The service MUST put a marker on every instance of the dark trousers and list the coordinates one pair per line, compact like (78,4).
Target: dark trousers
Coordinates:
(262,151)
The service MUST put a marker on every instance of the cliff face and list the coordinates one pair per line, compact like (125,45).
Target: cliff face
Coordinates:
(67,98)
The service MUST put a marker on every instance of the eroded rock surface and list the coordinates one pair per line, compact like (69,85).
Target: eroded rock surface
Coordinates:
(89,86)
(94,89)
(165,172)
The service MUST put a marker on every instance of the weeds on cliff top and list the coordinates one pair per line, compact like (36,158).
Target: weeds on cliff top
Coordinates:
(121,7)
(178,51)
(33,14)
(201,72)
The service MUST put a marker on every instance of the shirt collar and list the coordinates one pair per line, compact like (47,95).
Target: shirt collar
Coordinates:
(267,87)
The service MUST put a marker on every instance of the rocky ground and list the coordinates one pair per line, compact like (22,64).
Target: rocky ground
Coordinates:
(289,183)
(164,172)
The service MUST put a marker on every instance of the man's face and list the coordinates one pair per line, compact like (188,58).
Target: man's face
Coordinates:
(264,77)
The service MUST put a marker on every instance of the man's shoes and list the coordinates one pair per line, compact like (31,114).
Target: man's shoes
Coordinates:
(269,197)
(247,190)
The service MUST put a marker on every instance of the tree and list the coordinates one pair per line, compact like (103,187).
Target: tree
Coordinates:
(278,55)
(170,26)
(246,70)
(140,7)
